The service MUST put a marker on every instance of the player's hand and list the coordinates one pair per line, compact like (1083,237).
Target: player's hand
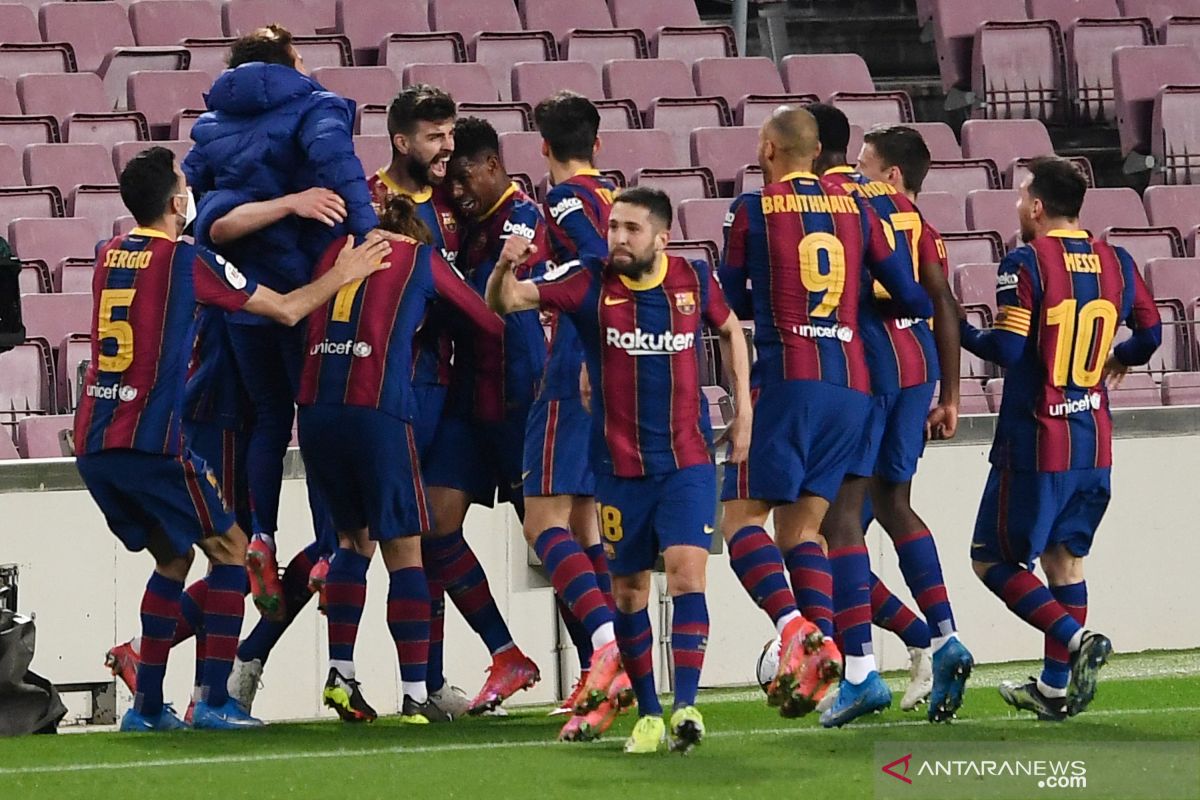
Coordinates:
(737,435)
(355,263)
(380,233)
(942,422)
(1114,372)
(517,250)
(585,390)
(323,205)
(961,309)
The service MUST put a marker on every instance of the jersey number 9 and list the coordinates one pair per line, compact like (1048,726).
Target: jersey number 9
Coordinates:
(833,280)
(117,329)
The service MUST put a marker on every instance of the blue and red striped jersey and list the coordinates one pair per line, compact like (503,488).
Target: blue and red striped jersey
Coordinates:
(358,348)
(642,343)
(215,392)
(797,255)
(145,289)
(1060,300)
(577,220)
(433,347)
(524,354)
(901,351)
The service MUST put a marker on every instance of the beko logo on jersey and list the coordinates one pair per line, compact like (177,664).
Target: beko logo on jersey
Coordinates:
(643,343)
(518,229)
(1089,402)
(1007,281)
(839,332)
(565,206)
(346,348)
(114,392)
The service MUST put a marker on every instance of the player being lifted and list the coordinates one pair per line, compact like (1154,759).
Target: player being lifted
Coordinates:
(795,258)
(640,314)
(1060,298)
(155,493)
(906,356)
(560,512)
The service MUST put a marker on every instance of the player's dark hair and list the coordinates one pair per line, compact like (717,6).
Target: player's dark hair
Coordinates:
(568,122)
(656,201)
(903,147)
(475,137)
(400,216)
(1059,184)
(419,102)
(148,183)
(270,45)
(833,128)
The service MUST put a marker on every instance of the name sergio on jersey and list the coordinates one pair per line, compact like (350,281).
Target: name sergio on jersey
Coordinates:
(1089,402)
(643,343)
(346,348)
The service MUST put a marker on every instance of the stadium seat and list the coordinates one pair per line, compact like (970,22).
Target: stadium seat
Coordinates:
(503,116)
(972,400)
(122,152)
(629,151)
(106,129)
(522,152)
(20,131)
(92,28)
(364,85)
(973,247)
(123,225)
(942,210)
(1019,71)
(583,29)
(39,437)
(649,17)
(75,276)
(68,165)
(160,95)
(24,382)
(868,109)
(1139,73)
(17,59)
(30,201)
(955,24)
(11,173)
(1019,170)
(704,219)
(19,23)
(1158,11)
(466,83)
(60,94)
(1137,390)
(724,151)
(994,391)
(472,17)
(618,115)
(680,117)
(643,80)
(9,104)
(1116,207)
(34,278)
(673,29)
(54,317)
(1090,45)
(975,285)
(534,81)
(499,52)
(8,450)
(373,151)
(1066,12)
(695,250)
(734,78)
(962,176)
(72,353)
(687,183)
(1182,30)
(98,204)
(1005,141)
(1174,279)
(1174,206)
(992,210)
(755,109)
(1145,244)
(598,46)
(367,22)
(398,50)
(1176,143)
(156,22)
(1178,389)
(824,74)
(749,178)
(940,139)
(239,17)
(52,239)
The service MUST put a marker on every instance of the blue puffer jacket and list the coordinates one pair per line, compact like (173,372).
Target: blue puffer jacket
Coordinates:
(271,131)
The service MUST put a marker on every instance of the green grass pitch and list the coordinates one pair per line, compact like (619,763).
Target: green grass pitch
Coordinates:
(749,752)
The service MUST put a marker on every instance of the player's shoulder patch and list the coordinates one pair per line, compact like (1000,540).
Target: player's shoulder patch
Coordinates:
(233,276)
(561,201)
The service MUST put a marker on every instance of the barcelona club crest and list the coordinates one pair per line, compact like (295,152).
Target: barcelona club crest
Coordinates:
(685,302)
(448,221)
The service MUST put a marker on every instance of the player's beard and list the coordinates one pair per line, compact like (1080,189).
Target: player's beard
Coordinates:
(1028,234)
(419,170)
(635,267)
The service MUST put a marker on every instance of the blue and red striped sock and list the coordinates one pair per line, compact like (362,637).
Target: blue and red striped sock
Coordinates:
(224,607)
(434,677)
(595,554)
(408,622)
(191,623)
(812,582)
(635,640)
(266,632)
(576,632)
(689,639)
(851,570)
(757,562)
(453,561)
(890,613)
(1056,668)
(574,580)
(345,596)
(1029,599)
(922,570)
(159,612)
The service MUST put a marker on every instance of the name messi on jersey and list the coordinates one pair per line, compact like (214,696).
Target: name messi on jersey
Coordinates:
(1082,262)
(643,343)
(127,259)
(808,204)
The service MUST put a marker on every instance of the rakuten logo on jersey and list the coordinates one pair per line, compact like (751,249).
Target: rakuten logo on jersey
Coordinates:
(564,207)
(346,348)
(839,332)
(518,229)
(1089,402)
(115,392)
(642,343)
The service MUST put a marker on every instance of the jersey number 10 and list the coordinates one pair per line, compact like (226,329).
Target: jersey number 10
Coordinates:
(1083,337)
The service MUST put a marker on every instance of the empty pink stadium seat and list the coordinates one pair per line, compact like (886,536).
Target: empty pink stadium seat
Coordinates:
(34,278)
(734,78)
(679,117)
(972,400)
(649,17)
(704,219)
(521,151)
(73,352)
(24,383)
(22,130)
(92,28)
(1173,279)
(374,85)
(955,24)
(942,210)
(123,152)
(9,104)
(466,83)
(1179,389)
(51,240)
(755,109)
(749,178)
(1106,208)
(868,109)
(974,247)
(643,80)
(499,52)
(160,95)
(100,205)
(366,22)
(533,81)
(19,23)
(1139,73)
(239,17)
(472,17)
(975,285)
(11,173)
(1019,71)
(32,201)
(940,139)
(695,250)
(18,58)
(39,437)
(105,129)
(1175,206)
(67,165)
(54,317)
(599,46)
(962,176)
(401,49)
(560,18)
(60,94)
(618,115)
(1176,143)
(1137,390)
(688,183)
(503,116)
(724,151)
(629,151)
(1005,140)
(994,391)
(1145,244)
(1090,45)
(825,73)
(1065,12)
(171,21)
(1182,30)
(692,43)
(1159,11)
(373,151)
(8,450)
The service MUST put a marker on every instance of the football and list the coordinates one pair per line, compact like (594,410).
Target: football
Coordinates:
(768,662)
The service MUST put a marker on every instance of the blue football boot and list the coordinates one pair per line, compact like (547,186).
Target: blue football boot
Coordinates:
(135,721)
(855,700)
(228,717)
(952,664)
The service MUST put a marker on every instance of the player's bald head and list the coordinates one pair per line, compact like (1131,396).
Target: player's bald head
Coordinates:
(793,130)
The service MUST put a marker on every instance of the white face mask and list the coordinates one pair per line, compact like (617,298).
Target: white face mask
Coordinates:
(189,213)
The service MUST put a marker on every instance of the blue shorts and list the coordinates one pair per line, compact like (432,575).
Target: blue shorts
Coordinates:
(557,445)
(364,461)
(431,399)
(805,436)
(1024,513)
(642,517)
(479,458)
(894,437)
(139,493)
(224,450)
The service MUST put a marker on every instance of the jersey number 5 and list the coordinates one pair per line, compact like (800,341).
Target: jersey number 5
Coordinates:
(117,329)
(1082,340)
(833,280)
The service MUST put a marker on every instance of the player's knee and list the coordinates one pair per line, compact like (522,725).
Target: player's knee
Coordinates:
(631,592)
(738,514)
(981,568)
(176,568)
(401,553)
(1061,566)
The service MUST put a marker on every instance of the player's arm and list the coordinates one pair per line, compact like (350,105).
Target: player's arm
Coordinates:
(352,264)
(577,226)
(450,286)
(735,357)
(1005,342)
(504,293)
(943,419)
(326,135)
(734,276)
(892,266)
(318,203)
(1143,319)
